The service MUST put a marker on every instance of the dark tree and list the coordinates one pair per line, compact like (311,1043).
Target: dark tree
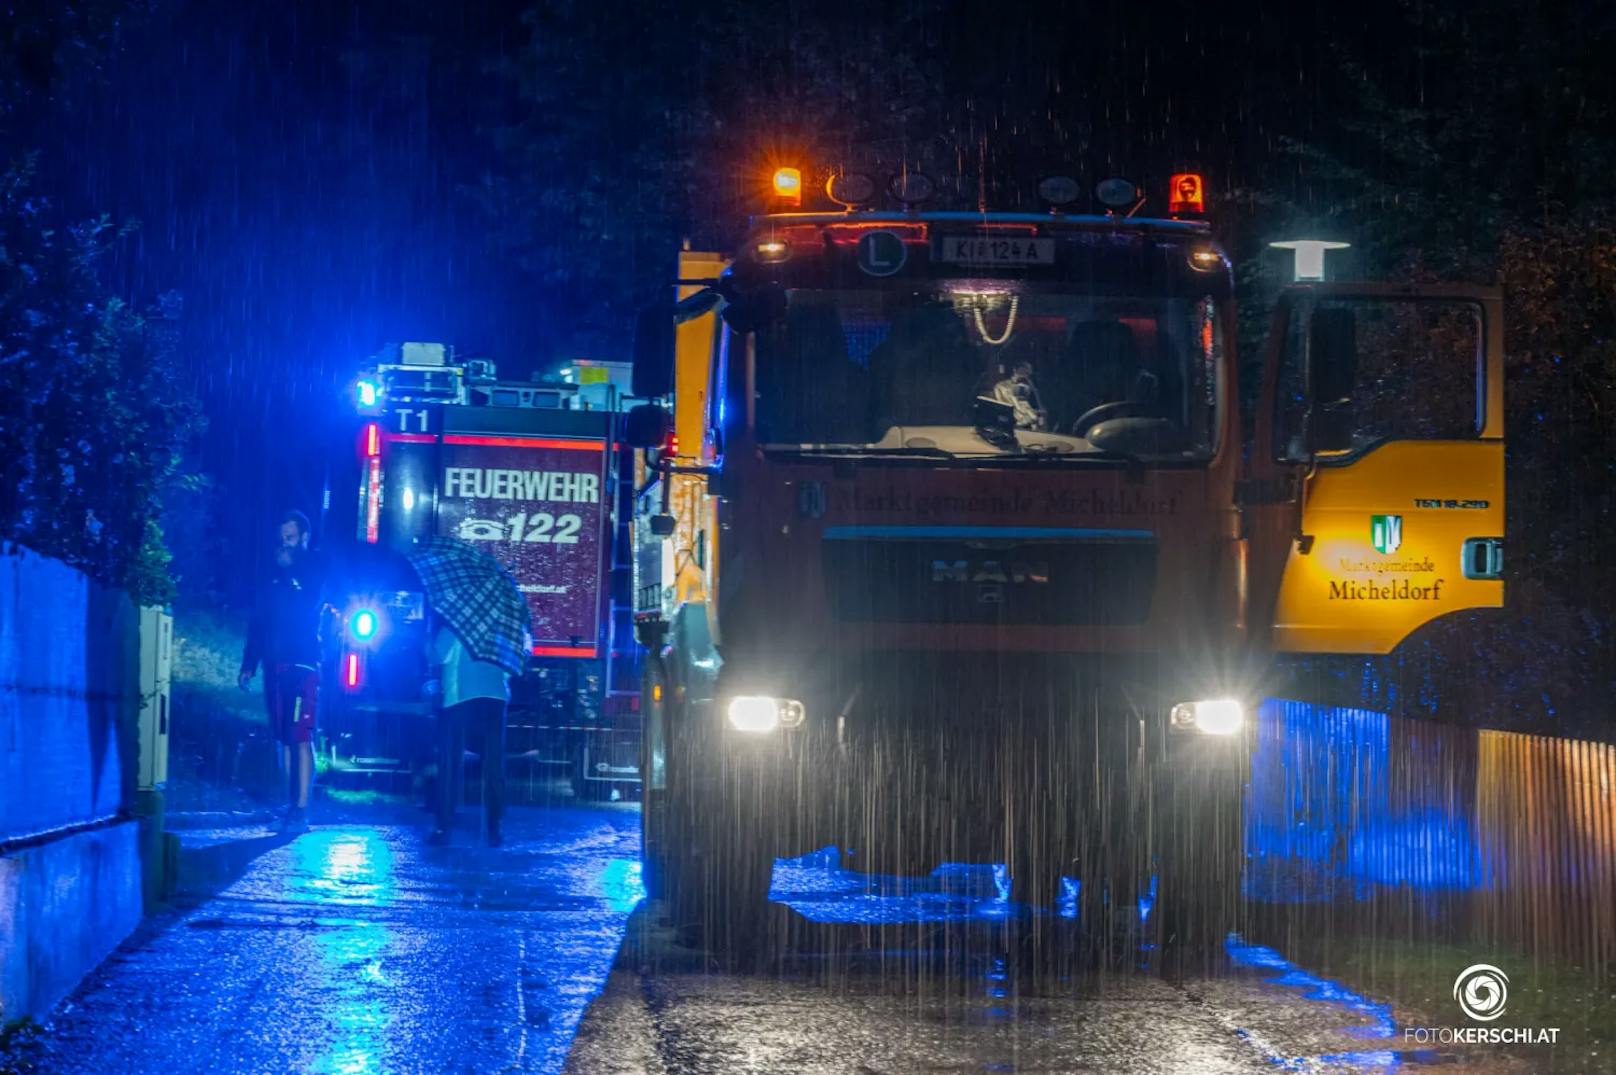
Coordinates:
(92,423)
(1484,154)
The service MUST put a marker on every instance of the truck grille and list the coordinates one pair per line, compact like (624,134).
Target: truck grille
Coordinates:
(977,575)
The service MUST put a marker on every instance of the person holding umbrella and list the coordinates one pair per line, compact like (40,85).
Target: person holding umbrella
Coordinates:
(483,638)
(474,696)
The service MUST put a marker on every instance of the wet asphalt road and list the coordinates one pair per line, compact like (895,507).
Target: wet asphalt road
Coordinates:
(355,948)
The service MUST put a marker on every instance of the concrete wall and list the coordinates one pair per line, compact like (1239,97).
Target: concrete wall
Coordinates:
(70,870)
(64,906)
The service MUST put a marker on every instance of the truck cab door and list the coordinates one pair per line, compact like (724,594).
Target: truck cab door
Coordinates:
(1376,502)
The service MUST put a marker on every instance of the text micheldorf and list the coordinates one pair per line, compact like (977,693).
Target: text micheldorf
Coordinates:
(1393,590)
(480,483)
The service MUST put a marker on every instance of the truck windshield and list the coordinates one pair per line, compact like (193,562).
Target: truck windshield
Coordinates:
(889,368)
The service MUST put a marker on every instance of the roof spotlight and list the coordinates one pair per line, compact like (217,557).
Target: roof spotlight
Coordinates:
(1116,193)
(850,190)
(911,188)
(1058,190)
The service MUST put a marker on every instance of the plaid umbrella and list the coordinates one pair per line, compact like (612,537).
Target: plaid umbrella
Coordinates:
(477,599)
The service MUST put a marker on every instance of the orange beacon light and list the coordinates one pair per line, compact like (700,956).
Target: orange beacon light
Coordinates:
(1187,194)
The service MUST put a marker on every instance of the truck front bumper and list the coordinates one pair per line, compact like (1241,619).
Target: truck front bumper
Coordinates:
(912,764)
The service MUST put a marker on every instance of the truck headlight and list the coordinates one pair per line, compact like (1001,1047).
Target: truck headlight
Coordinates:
(761,713)
(1217,716)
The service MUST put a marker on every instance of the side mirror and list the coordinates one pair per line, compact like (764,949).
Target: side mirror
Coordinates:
(646,426)
(1332,373)
(653,352)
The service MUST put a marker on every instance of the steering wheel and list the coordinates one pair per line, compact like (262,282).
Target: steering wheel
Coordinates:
(1126,408)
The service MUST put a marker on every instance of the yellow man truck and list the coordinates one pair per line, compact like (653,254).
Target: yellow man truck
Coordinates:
(951,543)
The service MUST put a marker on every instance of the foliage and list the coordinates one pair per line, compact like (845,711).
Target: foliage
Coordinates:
(614,163)
(20,1042)
(45,43)
(92,420)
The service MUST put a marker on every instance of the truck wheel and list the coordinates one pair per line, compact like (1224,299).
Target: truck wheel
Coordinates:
(719,902)
(1196,909)
(1044,952)
(714,866)
(1108,910)
(1199,861)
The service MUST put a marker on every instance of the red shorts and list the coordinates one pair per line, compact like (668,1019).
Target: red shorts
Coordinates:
(290,692)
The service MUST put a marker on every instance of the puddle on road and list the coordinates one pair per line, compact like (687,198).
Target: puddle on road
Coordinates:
(821,889)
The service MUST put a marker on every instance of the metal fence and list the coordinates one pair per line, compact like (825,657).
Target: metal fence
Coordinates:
(1403,828)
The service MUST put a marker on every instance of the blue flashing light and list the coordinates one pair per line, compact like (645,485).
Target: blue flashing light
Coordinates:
(362,625)
(368,392)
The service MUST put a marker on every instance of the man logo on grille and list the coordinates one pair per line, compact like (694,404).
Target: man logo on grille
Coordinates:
(997,571)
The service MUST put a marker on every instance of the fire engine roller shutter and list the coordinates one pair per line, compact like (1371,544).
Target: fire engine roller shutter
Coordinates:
(1025,575)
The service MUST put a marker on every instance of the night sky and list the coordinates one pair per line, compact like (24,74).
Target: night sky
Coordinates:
(305,174)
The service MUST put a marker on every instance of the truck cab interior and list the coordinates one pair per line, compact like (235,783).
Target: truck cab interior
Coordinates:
(847,368)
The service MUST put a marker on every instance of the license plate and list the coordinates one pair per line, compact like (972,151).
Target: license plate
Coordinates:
(986,250)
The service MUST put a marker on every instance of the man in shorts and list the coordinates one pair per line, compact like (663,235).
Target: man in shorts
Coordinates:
(284,637)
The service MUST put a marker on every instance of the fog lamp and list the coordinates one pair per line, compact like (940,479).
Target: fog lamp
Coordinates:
(1220,716)
(761,714)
